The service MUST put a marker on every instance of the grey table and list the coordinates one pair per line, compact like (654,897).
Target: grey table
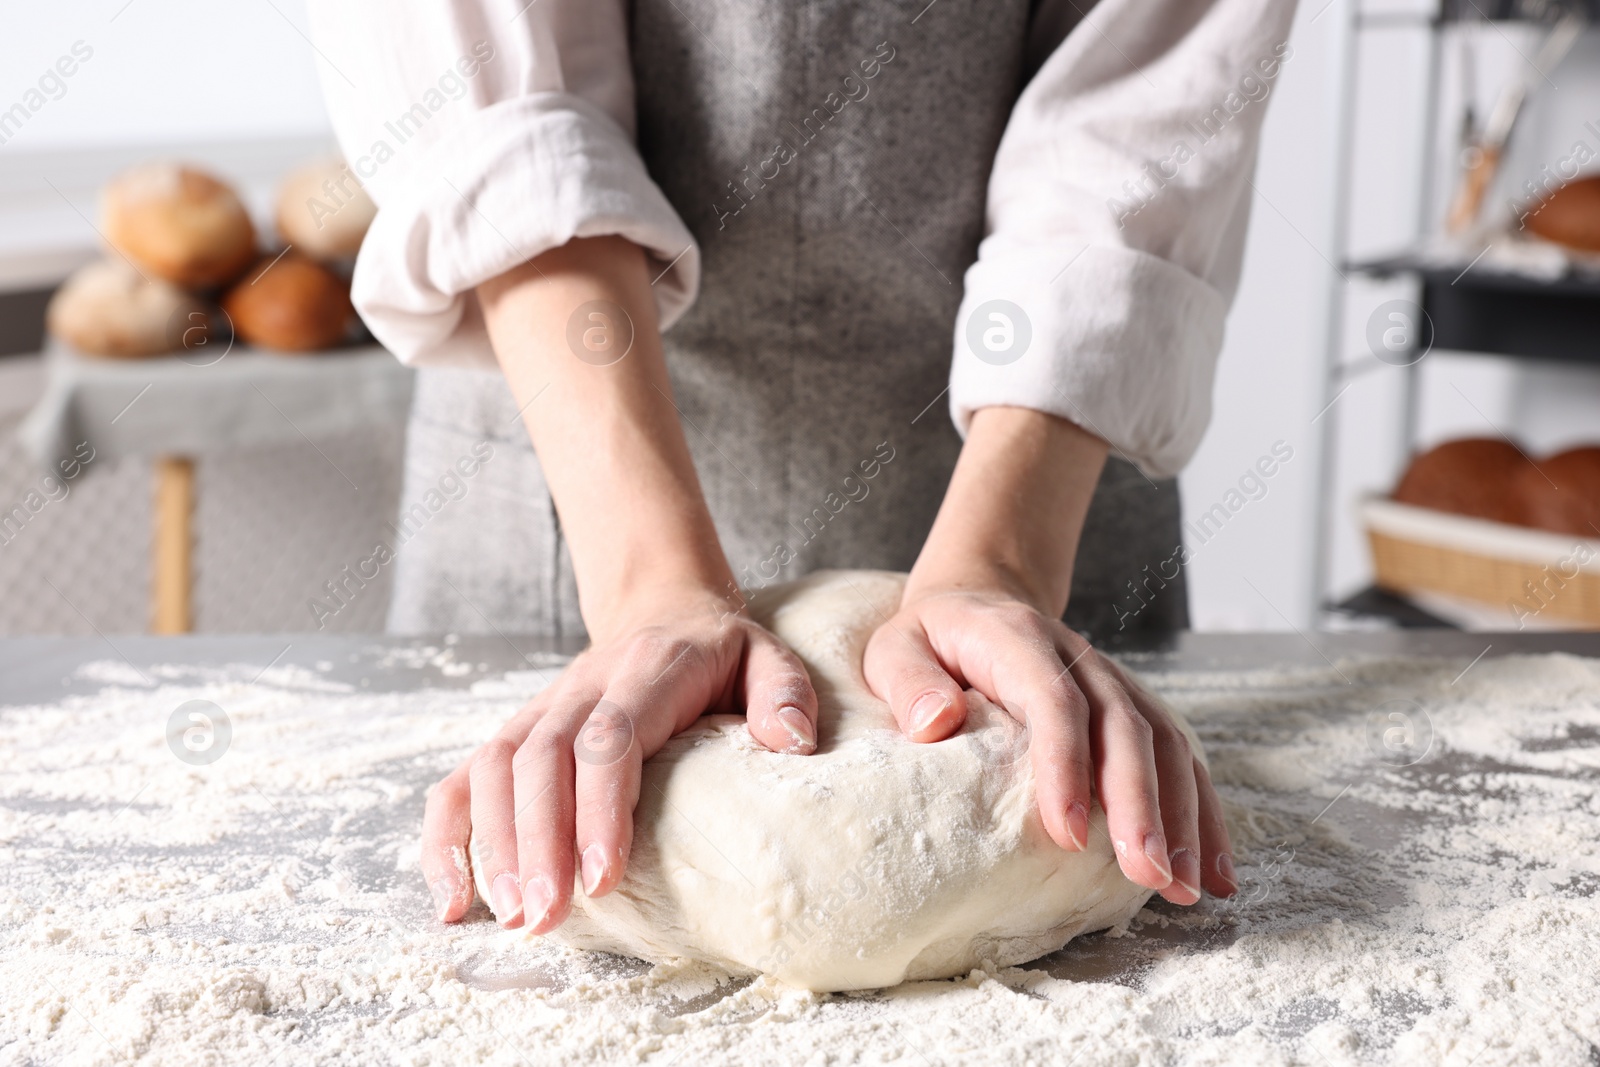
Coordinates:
(1304,891)
(33,668)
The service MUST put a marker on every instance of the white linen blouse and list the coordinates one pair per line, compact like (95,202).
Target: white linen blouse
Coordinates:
(489,131)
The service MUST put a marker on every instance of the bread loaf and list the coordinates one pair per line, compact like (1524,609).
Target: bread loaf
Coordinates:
(1473,476)
(107,309)
(293,304)
(1570,216)
(323,211)
(1562,493)
(179,224)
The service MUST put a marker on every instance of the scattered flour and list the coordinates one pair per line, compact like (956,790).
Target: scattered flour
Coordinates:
(1419,889)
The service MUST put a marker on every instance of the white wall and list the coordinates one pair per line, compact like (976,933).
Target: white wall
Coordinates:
(162,71)
(1255,572)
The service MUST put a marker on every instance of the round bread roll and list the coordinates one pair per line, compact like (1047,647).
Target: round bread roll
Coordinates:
(1474,476)
(1563,492)
(293,304)
(178,223)
(323,210)
(107,309)
(1571,215)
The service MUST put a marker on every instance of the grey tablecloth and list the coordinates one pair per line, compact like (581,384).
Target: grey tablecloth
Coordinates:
(198,404)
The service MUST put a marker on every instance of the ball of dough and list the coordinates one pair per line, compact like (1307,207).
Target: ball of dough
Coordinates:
(323,211)
(107,309)
(178,223)
(1570,216)
(1563,493)
(874,861)
(1473,476)
(294,305)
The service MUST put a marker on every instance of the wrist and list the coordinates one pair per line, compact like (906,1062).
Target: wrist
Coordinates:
(1010,520)
(975,572)
(973,576)
(652,583)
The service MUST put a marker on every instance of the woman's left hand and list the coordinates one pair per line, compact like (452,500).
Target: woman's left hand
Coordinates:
(1092,731)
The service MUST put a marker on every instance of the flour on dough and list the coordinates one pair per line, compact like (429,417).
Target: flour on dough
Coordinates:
(872,862)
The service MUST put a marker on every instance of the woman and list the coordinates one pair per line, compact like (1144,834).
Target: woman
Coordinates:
(800,191)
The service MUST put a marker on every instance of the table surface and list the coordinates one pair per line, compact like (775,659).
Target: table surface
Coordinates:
(41,668)
(40,671)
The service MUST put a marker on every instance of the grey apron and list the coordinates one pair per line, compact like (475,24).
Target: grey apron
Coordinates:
(810,373)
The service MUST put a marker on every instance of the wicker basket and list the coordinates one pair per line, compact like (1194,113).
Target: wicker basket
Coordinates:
(1527,573)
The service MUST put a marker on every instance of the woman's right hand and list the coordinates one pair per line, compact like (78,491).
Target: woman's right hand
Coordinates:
(553,792)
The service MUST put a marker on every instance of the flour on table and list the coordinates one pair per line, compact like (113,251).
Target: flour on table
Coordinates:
(267,907)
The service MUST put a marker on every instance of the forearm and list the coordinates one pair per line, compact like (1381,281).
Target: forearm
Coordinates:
(607,433)
(1015,507)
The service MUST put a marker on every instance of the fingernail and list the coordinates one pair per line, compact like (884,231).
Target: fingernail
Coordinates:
(594,868)
(798,727)
(1078,825)
(443,894)
(1225,870)
(1155,850)
(507,901)
(927,708)
(1186,869)
(537,898)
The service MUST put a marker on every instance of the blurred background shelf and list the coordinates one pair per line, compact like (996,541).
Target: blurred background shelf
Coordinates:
(1487,311)
(1512,10)
(1375,607)
(1474,303)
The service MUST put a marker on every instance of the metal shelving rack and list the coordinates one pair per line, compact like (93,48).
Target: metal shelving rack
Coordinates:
(1482,311)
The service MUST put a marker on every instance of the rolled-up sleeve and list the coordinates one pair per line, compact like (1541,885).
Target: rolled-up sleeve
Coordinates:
(486,132)
(1116,215)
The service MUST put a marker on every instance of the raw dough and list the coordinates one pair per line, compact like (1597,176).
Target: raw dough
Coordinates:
(872,862)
